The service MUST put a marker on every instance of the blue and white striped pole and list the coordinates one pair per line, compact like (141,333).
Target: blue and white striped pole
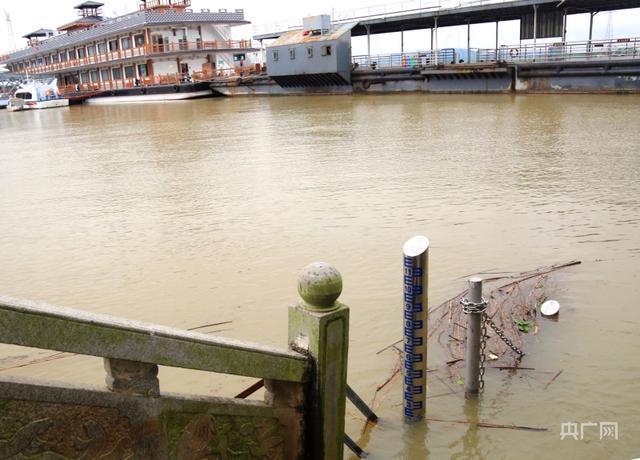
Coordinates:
(416,306)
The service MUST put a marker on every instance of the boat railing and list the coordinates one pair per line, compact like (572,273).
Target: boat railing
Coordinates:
(146,50)
(153,80)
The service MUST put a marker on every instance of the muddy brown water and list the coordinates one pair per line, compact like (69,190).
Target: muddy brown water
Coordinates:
(191,213)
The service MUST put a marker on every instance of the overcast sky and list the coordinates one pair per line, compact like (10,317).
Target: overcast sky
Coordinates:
(29,15)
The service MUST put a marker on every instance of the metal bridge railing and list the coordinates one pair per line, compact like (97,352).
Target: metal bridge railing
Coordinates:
(622,48)
(407,60)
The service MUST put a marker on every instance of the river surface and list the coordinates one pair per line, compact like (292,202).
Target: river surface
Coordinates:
(191,213)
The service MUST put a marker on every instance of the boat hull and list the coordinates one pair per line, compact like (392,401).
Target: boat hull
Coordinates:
(104,100)
(50,104)
(158,93)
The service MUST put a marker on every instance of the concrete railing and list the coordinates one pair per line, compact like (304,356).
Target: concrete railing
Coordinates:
(302,414)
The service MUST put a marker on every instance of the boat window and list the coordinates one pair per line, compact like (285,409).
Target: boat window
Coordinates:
(126,43)
(275,55)
(47,60)
(63,57)
(139,39)
(54,59)
(80,53)
(113,45)
(25,96)
(105,74)
(95,78)
(292,53)
(102,48)
(117,73)
(142,70)
(91,50)
(129,71)
(84,77)
(72,55)
(326,50)
(309,52)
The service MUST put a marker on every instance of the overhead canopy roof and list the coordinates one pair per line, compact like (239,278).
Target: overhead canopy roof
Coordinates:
(39,33)
(88,4)
(476,14)
(473,14)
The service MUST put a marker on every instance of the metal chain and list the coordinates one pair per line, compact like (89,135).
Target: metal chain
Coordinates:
(469,307)
(502,335)
(483,346)
(473,307)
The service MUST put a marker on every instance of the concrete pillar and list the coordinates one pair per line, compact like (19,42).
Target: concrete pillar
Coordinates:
(436,38)
(497,38)
(468,41)
(535,27)
(564,25)
(319,328)
(368,28)
(591,15)
(474,336)
(431,40)
(402,40)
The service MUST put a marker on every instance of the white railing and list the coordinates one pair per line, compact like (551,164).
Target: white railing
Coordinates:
(596,50)
(408,60)
(621,48)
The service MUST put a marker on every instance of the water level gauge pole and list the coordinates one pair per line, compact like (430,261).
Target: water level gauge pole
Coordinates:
(416,305)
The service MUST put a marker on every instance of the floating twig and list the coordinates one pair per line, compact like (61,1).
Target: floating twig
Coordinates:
(487,424)
(553,379)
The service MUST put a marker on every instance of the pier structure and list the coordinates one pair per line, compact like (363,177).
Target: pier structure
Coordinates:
(532,65)
(301,415)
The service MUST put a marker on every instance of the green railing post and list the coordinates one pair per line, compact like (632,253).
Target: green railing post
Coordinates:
(319,327)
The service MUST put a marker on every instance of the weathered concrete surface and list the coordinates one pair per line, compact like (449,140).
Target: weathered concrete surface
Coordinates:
(319,327)
(584,77)
(264,86)
(63,329)
(132,377)
(578,77)
(49,421)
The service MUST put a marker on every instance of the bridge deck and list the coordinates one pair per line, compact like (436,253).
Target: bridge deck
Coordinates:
(418,17)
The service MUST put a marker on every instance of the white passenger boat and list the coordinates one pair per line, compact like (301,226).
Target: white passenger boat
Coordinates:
(38,95)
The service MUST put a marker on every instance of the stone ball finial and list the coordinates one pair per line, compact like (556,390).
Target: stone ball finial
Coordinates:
(320,285)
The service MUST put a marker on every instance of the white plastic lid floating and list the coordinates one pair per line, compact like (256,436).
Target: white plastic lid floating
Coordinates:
(550,308)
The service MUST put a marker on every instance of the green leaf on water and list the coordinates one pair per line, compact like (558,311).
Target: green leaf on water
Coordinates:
(524,325)
(460,382)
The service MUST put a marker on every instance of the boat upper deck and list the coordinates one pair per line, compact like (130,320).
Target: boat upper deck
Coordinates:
(126,23)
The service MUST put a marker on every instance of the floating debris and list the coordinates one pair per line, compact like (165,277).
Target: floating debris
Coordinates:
(550,308)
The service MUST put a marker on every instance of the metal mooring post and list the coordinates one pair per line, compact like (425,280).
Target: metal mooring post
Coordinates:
(416,306)
(319,328)
(473,308)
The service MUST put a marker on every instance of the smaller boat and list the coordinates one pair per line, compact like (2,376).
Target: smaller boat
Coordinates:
(4,101)
(38,95)
(15,104)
